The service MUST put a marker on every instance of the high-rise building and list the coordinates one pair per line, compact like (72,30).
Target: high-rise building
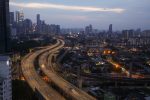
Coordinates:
(11,18)
(91,28)
(19,16)
(27,26)
(110,28)
(38,23)
(38,19)
(88,29)
(128,34)
(57,29)
(5,78)
(19,22)
(12,24)
(4,26)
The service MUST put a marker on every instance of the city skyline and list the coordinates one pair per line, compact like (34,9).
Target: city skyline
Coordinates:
(77,14)
(74,50)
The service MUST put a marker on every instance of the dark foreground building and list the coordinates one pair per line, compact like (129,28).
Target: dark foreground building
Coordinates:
(4,26)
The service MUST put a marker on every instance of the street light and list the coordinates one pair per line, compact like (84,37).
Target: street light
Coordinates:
(43,66)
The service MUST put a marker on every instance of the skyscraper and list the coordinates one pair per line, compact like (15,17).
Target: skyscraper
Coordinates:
(27,26)
(12,23)
(110,28)
(19,16)
(4,26)
(38,19)
(57,29)
(38,23)
(88,29)
(11,18)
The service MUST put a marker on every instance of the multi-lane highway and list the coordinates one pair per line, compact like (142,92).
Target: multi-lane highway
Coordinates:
(64,89)
(72,91)
(34,80)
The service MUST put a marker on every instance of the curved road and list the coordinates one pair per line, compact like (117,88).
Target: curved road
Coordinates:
(34,80)
(69,89)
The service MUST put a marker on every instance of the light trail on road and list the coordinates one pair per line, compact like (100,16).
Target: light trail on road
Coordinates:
(69,89)
(34,80)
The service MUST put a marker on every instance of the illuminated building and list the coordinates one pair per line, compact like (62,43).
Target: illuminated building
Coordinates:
(5,78)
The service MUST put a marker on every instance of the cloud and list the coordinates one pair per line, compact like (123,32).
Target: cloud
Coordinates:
(66,7)
(72,17)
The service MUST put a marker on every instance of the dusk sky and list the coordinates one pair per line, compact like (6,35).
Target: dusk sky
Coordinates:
(123,14)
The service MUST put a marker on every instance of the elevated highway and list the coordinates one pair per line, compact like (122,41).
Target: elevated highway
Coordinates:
(63,89)
(64,86)
(34,80)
